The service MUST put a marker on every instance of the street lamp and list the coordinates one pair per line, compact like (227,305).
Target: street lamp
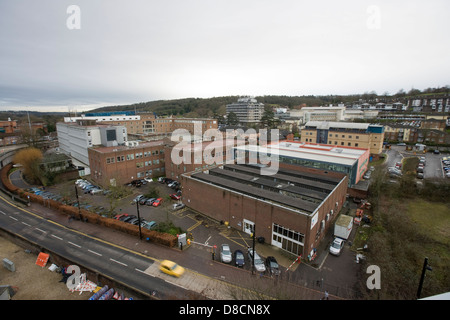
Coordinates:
(139,220)
(422,277)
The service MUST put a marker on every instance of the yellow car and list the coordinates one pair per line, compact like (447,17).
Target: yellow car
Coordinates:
(171,268)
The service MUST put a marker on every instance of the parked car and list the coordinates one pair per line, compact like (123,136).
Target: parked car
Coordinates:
(254,256)
(157,202)
(148,179)
(139,197)
(420,175)
(436,151)
(148,225)
(178,206)
(367,175)
(239,258)
(174,196)
(96,190)
(120,216)
(171,268)
(143,200)
(129,218)
(150,201)
(272,266)
(225,253)
(336,246)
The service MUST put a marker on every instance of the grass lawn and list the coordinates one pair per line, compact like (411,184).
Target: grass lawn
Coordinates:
(433,219)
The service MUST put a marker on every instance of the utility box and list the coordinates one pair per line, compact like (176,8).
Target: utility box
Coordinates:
(343,226)
(8,264)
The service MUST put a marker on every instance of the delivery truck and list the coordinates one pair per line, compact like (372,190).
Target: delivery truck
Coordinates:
(343,226)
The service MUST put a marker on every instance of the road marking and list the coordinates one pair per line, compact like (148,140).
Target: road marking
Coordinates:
(41,230)
(74,244)
(142,271)
(28,225)
(3,212)
(13,218)
(118,262)
(56,237)
(194,226)
(95,252)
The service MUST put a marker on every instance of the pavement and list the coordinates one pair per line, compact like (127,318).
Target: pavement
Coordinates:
(303,278)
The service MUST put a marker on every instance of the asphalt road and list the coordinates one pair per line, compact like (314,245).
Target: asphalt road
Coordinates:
(95,254)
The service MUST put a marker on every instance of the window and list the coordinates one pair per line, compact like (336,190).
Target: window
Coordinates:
(356,144)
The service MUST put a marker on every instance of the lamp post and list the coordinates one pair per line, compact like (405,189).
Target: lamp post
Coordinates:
(78,202)
(253,260)
(422,277)
(139,220)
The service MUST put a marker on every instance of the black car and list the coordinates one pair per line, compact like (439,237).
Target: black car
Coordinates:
(239,258)
(129,218)
(272,266)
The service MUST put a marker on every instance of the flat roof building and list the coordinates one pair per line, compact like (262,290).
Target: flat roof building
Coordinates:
(345,134)
(292,209)
(351,161)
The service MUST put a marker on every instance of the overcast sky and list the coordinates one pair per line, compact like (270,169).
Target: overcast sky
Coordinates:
(122,52)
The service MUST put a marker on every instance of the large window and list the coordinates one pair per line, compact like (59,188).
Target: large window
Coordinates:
(287,239)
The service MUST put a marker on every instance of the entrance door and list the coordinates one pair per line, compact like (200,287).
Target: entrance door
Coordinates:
(248,226)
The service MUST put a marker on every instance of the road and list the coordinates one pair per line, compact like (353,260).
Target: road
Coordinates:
(131,268)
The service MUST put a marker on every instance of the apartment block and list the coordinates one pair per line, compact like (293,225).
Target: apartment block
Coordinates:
(345,134)
(248,110)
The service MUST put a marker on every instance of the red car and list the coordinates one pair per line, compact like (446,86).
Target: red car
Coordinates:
(175,196)
(157,202)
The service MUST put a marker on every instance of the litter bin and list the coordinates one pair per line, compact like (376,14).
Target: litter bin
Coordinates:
(261,240)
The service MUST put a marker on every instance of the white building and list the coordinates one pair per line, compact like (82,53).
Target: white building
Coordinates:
(247,110)
(75,139)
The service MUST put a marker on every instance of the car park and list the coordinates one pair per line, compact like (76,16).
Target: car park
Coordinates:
(272,266)
(239,258)
(256,259)
(171,268)
(336,246)
(225,253)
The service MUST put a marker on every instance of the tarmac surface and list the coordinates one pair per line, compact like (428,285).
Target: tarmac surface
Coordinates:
(337,275)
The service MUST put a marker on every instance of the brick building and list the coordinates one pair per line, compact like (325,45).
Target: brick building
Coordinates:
(122,164)
(292,209)
(198,156)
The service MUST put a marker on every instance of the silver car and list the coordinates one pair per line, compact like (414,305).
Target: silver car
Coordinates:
(259,263)
(225,254)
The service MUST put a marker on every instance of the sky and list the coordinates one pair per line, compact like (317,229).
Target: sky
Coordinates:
(57,57)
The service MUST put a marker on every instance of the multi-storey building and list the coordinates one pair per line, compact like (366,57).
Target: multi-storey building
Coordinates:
(148,123)
(75,138)
(116,165)
(348,134)
(248,110)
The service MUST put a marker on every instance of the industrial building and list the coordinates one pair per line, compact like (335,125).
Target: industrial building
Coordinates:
(292,209)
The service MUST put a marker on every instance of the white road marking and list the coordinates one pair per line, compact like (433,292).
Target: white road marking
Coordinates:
(95,252)
(56,237)
(118,262)
(74,244)
(13,218)
(28,225)
(41,230)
